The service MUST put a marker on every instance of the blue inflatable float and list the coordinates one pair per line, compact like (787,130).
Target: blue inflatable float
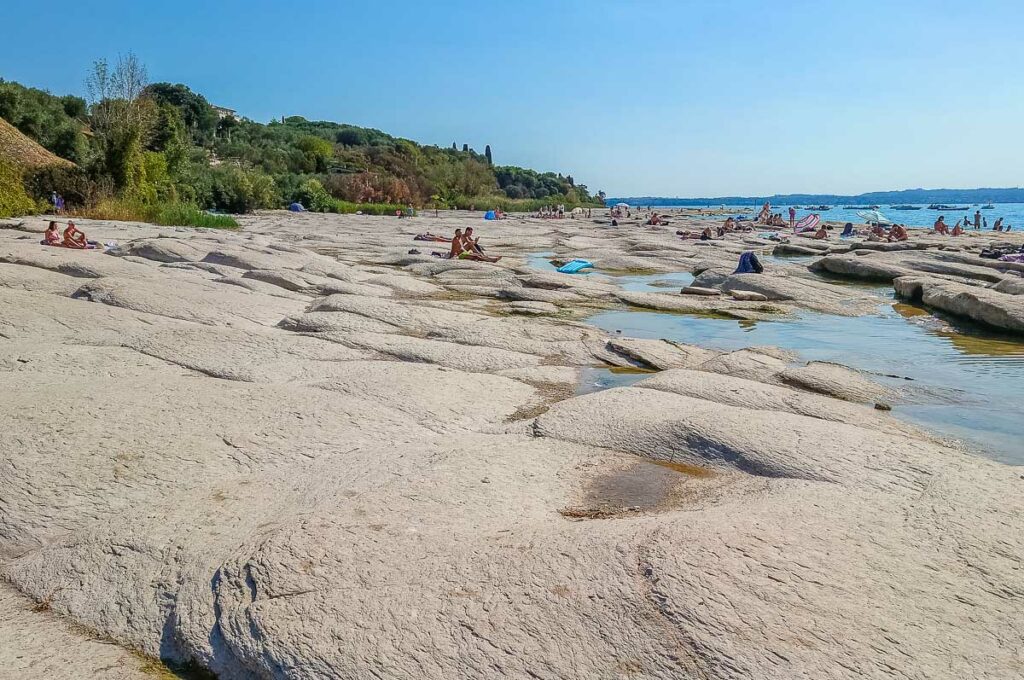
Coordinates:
(575,266)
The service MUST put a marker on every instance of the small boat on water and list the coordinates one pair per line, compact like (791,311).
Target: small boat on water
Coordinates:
(942,206)
(988,206)
(819,208)
(904,207)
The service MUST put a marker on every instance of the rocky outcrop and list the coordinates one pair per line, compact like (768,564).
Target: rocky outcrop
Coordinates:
(983,305)
(268,481)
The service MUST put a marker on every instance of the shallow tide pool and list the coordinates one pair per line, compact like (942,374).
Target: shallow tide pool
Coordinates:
(964,382)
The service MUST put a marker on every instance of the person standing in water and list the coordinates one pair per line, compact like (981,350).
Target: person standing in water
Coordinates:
(792,216)
(977,219)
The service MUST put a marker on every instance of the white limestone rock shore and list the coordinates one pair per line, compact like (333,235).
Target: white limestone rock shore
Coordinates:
(364,463)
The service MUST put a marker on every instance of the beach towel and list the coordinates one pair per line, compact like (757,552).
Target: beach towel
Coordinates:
(808,223)
(574,267)
(749,264)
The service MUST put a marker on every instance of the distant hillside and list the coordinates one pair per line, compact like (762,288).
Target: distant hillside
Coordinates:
(908,196)
(23,152)
(165,144)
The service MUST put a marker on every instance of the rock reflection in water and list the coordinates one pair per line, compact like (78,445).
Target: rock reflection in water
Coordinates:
(966,380)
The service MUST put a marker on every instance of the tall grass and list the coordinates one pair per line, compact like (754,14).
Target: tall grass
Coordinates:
(164,214)
(347,208)
(518,204)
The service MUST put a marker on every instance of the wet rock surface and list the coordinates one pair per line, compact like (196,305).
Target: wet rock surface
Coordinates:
(356,462)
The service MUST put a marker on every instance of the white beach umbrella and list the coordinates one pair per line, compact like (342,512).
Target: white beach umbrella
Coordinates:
(874,216)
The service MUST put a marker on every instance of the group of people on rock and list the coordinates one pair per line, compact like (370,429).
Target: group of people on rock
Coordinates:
(551,212)
(770,219)
(940,226)
(466,247)
(72,237)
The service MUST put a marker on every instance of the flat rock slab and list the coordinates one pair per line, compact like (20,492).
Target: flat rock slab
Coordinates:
(682,429)
(697,290)
(39,644)
(661,354)
(983,305)
(836,381)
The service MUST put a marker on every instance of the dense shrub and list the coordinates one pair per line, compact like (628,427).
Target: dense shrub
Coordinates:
(73,183)
(240,191)
(313,196)
(14,201)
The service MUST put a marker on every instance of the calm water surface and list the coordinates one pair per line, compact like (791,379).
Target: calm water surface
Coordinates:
(960,379)
(1012,212)
(965,382)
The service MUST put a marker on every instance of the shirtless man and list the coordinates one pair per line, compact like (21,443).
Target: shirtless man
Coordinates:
(75,238)
(469,248)
(456,249)
(998,225)
(898,233)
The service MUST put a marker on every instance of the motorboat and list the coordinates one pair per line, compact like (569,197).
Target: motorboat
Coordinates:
(904,207)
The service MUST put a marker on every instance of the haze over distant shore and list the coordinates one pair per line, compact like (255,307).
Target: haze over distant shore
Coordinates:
(909,196)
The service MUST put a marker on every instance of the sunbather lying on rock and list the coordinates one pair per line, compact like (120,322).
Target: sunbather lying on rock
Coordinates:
(822,233)
(427,236)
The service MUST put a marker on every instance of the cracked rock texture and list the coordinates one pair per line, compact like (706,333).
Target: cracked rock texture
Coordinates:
(354,462)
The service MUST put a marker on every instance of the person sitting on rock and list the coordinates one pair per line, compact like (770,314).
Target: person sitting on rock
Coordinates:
(456,249)
(52,236)
(470,248)
(898,233)
(957,229)
(730,224)
(940,226)
(75,238)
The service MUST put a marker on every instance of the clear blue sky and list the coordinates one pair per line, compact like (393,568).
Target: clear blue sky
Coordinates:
(655,97)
